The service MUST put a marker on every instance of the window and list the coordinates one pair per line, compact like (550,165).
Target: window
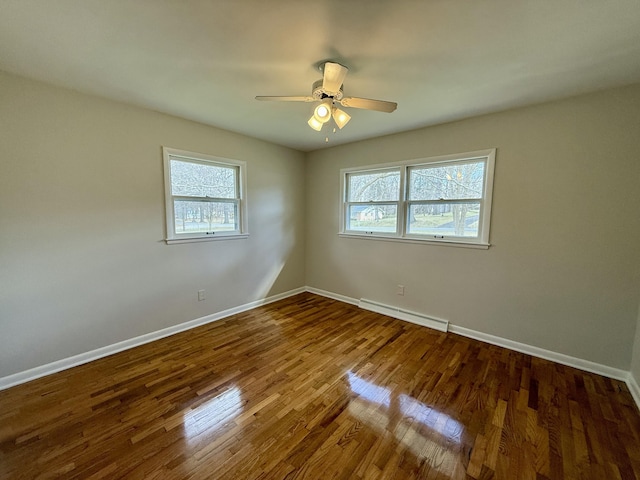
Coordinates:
(441,199)
(204,197)
(374,201)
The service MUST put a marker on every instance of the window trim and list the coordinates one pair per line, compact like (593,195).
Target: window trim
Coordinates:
(204,159)
(482,241)
(397,203)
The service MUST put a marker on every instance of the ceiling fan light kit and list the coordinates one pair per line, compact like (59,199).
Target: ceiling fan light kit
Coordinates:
(340,117)
(315,124)
(328,91)
(322,112)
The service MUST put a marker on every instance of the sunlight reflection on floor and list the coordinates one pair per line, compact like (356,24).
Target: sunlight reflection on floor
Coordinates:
(421,428)
(212,413)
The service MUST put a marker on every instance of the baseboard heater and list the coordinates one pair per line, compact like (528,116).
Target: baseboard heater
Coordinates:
(406,315)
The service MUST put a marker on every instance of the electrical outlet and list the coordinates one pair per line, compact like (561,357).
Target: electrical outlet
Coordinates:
(200,295)
(400,289)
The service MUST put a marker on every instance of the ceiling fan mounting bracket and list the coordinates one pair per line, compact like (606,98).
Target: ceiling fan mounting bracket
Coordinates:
(322,64)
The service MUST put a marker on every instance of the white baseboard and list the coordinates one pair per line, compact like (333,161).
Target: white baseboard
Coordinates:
(57,366)
(560,358)
(406,315)
(542,353)
(334,296)
(82,358)
(634,388)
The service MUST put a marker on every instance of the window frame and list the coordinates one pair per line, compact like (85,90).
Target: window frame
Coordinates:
(402,234)
(239,200)
(397,203)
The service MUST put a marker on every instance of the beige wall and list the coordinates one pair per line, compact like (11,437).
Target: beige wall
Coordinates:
(562,272)
(635,360)
(82,261)
(83,264)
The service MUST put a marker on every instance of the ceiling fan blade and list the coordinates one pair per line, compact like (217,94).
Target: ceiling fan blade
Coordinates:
(334,74)
(368,104)
(286,99)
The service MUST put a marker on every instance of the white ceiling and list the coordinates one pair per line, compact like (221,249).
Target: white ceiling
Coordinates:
(440,60)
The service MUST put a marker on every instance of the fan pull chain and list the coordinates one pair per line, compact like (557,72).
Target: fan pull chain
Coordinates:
(326,139)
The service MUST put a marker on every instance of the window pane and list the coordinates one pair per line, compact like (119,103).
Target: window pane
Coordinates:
(373,218)
(459,220)
(191,179)
(451,182)
(192,217)
(381,186)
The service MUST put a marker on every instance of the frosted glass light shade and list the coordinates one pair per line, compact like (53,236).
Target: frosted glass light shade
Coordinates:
(322,113)
(315,124)
(340,117)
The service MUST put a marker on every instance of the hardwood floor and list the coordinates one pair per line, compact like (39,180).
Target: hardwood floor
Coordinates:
(313,388)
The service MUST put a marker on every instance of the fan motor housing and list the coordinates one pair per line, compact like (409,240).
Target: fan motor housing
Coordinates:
(319,93)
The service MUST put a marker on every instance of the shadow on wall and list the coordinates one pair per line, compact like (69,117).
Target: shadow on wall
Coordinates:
(277,241)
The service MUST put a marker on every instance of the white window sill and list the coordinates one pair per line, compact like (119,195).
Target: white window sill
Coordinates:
(171,241)
(443,243)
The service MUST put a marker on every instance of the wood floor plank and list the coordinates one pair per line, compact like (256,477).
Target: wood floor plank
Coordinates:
(312,388)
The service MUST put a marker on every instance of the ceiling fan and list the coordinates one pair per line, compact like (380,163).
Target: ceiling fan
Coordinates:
(328,92)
